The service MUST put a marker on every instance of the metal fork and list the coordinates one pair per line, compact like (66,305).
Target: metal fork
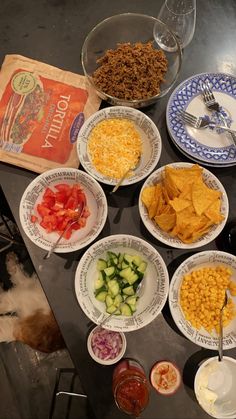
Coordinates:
(201,121)
(213,105)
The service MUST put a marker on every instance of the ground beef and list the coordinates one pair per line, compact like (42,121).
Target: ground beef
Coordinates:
(131,71)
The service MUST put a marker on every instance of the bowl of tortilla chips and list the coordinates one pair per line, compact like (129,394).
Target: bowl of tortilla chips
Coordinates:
(183,205)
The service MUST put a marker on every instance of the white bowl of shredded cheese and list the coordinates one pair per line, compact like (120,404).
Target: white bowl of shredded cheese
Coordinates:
(119,140)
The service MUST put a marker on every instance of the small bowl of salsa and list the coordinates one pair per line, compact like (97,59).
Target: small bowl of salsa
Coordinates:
(106,346)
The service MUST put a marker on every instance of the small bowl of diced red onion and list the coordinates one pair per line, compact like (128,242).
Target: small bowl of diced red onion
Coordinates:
(105,346)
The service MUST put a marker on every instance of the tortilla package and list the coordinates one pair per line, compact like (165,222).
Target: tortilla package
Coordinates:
(42,109)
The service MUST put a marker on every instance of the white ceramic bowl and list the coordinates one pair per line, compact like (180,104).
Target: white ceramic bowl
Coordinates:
(106,361)
(96,201)
(201,337)
(211,181)
(154,290)
(214,387)
(150,137)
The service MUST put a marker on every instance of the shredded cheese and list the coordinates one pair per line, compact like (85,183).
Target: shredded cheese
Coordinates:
(115,146)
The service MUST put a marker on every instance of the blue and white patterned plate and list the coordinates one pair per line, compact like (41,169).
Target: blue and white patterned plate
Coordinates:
(206,145)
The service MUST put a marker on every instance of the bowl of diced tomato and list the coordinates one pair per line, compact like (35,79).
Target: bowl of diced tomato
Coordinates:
(63,201)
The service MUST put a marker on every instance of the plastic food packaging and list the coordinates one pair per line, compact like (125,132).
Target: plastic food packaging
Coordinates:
(42,109)
(130,387)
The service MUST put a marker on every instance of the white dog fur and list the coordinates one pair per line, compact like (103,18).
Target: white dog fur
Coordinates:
(32,320)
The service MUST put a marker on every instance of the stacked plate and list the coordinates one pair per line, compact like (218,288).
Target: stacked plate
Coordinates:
(204,146)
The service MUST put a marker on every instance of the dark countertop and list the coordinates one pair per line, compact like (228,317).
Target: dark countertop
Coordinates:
(53,31)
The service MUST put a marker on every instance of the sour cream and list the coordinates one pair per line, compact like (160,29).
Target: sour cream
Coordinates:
(214,386)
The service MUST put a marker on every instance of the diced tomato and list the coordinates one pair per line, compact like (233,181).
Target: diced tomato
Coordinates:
(82,222)
(75,226)
(63,187)
(68,233)
(48,192)
(58,208)
(42,210)
(61,196)
(50,219)
(86,212)
(49,201)
(72,203)
(33,218)
(62,224)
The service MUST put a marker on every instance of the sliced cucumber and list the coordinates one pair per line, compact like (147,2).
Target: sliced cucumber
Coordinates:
(124,265)
(111,255)
(109,300)
(132,278)
(99,283)
(131,300)
(113,287)
(128,290)
(142,267)
(126,310)
(128,258)
(111,309)
(109,271)
(118,300)
(101,296)
(137,260)
(101,264)
(124,273)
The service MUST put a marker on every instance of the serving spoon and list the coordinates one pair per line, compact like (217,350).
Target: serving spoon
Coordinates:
(220,347)
(125,175)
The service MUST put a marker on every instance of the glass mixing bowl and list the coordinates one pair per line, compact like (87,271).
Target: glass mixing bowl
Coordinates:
(131,28)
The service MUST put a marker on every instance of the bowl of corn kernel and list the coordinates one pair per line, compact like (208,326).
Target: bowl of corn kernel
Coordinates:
(119,141)
(196,296)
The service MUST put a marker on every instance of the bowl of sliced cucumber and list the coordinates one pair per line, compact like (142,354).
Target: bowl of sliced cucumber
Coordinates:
(121,282)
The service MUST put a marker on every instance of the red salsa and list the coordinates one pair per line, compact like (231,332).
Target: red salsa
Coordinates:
(130,387)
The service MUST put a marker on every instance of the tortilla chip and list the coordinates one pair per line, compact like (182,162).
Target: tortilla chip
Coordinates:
(179,204)
(161,202)
(156,202)
(213,212)
(170,187)
(182,176)
(186,192)
(203,197)
(148,195)
(165,221)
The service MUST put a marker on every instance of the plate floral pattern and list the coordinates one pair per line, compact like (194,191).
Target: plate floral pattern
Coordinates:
(208,146)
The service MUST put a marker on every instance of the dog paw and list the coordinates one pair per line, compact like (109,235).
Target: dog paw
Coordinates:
(12,263)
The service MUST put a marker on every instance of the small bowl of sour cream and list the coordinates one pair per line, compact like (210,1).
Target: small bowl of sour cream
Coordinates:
(106,346)
(214,387)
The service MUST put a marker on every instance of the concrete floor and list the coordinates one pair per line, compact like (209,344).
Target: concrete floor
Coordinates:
(27,377)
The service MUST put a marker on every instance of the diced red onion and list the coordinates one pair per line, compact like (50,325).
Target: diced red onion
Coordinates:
(106,344)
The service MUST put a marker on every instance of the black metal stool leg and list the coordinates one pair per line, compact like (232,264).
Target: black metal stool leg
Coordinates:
(70,393)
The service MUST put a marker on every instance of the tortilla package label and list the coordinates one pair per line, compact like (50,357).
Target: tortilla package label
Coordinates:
(42,109)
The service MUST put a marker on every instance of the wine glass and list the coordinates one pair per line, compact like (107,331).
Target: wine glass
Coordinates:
(180,17)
